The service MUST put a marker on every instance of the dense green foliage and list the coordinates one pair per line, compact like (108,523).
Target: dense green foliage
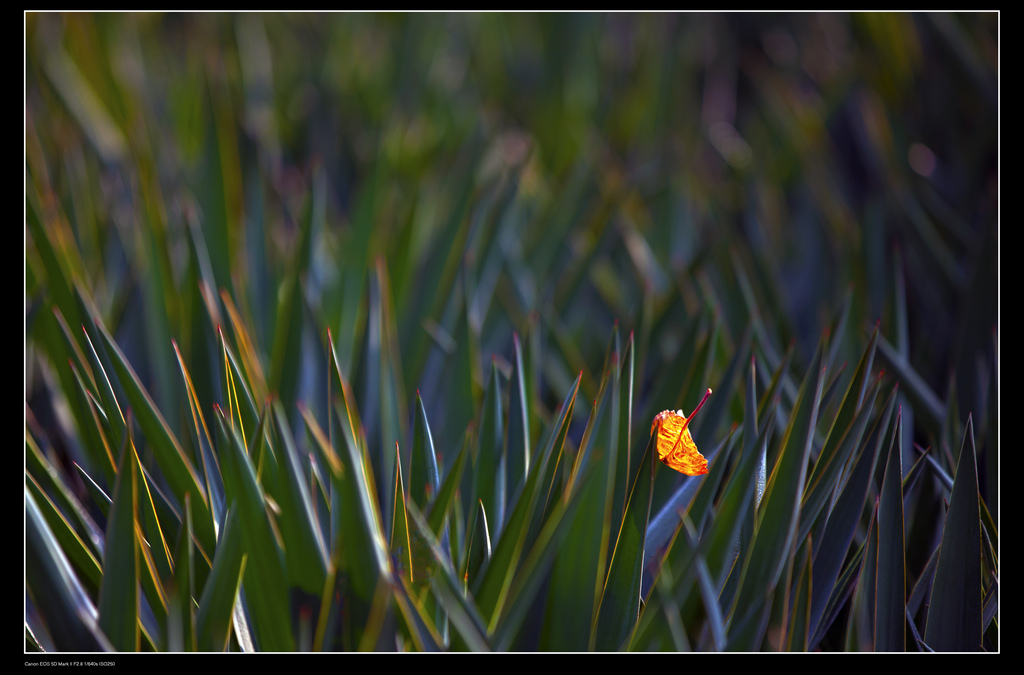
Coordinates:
(346,332)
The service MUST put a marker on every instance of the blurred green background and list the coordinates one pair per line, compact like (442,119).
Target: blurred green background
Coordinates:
(547,176)
(622,156)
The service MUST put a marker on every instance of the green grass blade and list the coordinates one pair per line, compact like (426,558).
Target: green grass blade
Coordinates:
(780,508)
(799,612)
(518,444)
(424,480)
(464,616)
(286,356)
(177,469)
(479,546)
(489,467)
(620,599)
(400,547)
(891,582)
(216,605)
(52,481)
(955,609)
(448,491)
(305,554)
(55,589)
(576,579)
(265,579)
(119,596)
(185,583)
(494,583)
(82,560)
(843,519)
(842,437)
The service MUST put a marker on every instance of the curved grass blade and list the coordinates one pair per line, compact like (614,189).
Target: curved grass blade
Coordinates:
(52,481)
(424,481)
(479,545)
(82,559)
(69,614)
(955,609)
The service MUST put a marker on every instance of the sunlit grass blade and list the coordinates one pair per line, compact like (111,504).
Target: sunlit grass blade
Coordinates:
(99,497)
(83,561)
(479,546)
(418,626)
(53,481)
(203,444)
(177,469)
(624,459)
(70,615)
(424,480)
(400,547)
(95,437)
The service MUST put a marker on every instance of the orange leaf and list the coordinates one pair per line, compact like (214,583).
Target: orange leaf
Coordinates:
(675,445)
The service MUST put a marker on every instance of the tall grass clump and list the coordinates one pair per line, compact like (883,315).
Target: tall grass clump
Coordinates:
(346,332)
